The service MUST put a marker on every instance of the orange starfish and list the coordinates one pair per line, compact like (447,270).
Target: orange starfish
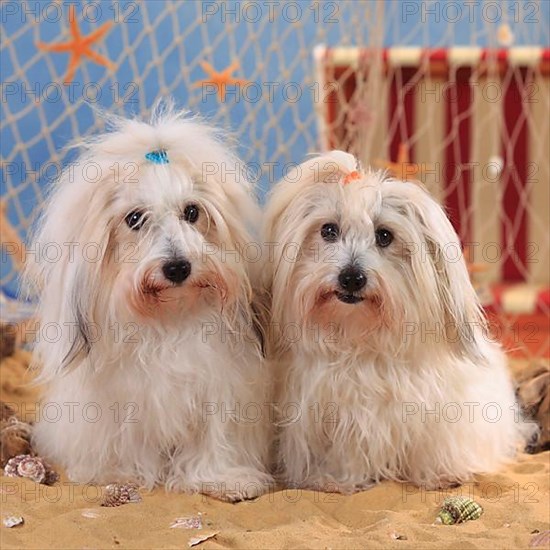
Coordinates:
(404,169)
(220,79)
(79,46)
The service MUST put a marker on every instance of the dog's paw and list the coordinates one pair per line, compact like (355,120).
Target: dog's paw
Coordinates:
(235,489)
(442,484)
(330,485)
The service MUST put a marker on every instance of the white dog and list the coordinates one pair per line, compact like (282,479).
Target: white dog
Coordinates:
(141,270)
(385,369)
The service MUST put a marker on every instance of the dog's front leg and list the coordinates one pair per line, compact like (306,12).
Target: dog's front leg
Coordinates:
(226,462)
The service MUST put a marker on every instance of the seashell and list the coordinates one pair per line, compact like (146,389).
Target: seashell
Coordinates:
(13,521)
(31,467)
(458,510)
(197,540)
(540,539)
(90,514)
(191,522)
(117,494)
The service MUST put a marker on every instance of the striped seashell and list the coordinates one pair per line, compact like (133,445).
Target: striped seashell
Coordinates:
(117,494)
(458,509)
(31,467)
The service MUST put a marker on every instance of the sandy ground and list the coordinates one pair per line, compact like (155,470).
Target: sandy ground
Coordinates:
(516,505)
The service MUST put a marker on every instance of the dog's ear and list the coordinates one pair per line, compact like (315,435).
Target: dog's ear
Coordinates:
(442,277)
(70,247)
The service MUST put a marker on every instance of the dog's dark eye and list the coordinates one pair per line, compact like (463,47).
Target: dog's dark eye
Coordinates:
(330,232)
(383,237)
(191,213)
(135,220)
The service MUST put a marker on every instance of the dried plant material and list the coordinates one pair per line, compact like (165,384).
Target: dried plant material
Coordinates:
(534,396)
(14,435)
(6,412)
(8,339)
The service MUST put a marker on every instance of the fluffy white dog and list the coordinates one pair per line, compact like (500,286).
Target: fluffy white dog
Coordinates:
(141,272)
(384,366)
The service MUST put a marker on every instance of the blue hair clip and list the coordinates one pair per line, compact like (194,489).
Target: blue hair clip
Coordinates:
(158,157)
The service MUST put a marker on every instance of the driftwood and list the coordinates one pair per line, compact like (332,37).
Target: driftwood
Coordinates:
(14,435)
(8,338)
(534,396)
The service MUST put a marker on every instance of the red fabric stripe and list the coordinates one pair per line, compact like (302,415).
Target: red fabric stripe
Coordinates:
(401,110)
(437,55)
(340,85)
(543,301)
(499,55)
(456,173)
(514,178)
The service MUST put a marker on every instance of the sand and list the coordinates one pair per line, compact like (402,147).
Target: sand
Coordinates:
(516,505)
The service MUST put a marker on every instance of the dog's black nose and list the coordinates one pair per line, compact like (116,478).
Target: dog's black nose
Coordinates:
(352,279)
(177,271)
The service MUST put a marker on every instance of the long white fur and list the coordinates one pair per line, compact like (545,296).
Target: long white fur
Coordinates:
(164,369)
(404,385)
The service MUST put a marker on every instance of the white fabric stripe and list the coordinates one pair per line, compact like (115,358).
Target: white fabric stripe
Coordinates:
(520,299)
(404,57)
(525,56)
(429,132)
(344,57)
(375,144)
(464,56)
(486,189)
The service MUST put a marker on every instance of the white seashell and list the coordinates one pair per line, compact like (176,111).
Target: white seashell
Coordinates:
(197,540)
(13,521)
(191,522)
(90,514)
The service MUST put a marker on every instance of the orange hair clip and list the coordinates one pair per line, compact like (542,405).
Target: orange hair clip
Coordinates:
(355,175)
